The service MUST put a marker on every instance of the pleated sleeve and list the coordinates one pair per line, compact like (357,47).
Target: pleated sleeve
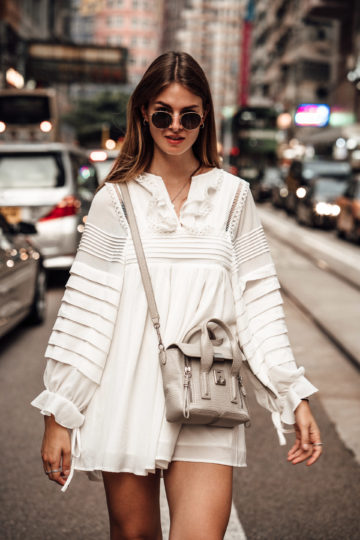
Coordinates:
(261,327)
(80,340)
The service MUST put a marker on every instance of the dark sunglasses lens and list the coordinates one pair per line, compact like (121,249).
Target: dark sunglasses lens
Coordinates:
(161,120)
(190,120)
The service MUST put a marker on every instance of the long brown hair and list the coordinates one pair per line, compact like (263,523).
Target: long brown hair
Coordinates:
(137,150)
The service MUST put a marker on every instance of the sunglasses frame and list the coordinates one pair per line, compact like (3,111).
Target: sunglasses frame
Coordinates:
(180,117)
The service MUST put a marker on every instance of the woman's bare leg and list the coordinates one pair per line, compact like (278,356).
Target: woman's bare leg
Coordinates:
(133,505)
(199,497)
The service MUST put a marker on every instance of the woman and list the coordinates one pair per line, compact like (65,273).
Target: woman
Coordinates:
(208,258)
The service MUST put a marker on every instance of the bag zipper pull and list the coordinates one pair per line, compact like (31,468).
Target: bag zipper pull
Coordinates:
(187,389)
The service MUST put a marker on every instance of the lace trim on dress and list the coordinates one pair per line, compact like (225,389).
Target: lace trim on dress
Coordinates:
(236,209)
(196,209)
(162,218)
(117,206)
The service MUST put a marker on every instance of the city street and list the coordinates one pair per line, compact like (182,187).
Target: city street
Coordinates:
(273,499)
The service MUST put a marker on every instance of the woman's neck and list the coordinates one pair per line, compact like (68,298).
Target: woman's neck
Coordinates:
(173,169)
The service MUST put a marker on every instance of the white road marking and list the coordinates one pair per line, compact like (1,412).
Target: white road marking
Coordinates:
(234,530)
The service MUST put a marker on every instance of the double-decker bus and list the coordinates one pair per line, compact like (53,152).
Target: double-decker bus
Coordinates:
(29,115)
(249,139)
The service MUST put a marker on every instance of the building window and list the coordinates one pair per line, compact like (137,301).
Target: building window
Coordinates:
(314,71)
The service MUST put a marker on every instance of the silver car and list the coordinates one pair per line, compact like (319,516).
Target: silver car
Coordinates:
(22,277)
(50,185)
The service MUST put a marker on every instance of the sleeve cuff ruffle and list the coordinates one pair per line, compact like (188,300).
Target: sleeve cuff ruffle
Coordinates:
(302,388)
(65,412)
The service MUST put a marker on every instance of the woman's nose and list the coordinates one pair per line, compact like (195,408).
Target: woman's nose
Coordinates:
(176,123)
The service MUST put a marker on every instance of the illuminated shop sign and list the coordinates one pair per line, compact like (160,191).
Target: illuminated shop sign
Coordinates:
(312,115)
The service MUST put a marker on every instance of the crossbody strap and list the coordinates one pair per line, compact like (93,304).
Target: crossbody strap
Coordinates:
(122,191)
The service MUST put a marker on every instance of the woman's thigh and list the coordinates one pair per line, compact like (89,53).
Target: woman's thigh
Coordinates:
(199,497)
(133,504)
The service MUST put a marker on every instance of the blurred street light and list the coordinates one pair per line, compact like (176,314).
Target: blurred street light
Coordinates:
(14,78)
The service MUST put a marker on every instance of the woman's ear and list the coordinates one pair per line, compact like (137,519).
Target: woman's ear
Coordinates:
(205,113)
(144,113)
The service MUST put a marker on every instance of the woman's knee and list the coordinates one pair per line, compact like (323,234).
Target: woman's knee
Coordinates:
(134,531)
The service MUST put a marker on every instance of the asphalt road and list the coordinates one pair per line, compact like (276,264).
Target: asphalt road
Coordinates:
(274,500)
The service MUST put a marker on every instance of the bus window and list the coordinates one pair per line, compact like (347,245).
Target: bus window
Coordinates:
(249,138)
(28,116)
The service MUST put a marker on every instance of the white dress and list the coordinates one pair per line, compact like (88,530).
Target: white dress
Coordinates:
(103,378)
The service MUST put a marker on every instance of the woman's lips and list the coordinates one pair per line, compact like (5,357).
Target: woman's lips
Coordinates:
(174,140)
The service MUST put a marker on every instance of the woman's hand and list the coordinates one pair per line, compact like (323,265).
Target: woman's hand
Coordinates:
(56,451)
(307,437)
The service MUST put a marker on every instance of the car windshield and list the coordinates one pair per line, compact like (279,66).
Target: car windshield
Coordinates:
(333,169)
(25,170)
(272,176)
(331,187)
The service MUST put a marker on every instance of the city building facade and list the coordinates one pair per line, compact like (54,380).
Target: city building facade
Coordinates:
(293,56)
(135,24)
(211,32)
(22,21)
(172,23)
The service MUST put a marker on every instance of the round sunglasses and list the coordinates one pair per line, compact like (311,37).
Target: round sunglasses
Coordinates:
(164,119)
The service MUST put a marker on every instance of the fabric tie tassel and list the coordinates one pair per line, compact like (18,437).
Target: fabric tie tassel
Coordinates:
(75,453)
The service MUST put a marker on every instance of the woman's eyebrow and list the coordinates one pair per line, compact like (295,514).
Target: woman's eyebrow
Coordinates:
(167,106)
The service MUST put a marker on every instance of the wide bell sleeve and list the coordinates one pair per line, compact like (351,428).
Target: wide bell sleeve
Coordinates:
(80,340)
(261,327)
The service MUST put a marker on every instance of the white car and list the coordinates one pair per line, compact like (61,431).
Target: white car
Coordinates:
(50,185)
(103,161)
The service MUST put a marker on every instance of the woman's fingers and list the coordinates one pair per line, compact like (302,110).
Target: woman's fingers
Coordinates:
(66,464)
(317,451)
(301,456)
(56,451)
(56,475)
(308,442)
(294,450)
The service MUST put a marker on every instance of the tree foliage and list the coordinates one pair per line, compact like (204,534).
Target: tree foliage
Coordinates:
(89,117)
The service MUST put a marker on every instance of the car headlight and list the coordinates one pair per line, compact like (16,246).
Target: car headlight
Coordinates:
(335,210)
(300,192)
(327,209)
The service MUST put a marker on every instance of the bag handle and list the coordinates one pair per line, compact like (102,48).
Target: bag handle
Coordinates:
(237,357)
(124,198)
(207,355)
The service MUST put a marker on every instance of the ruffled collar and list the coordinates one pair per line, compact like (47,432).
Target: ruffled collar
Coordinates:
(194,214)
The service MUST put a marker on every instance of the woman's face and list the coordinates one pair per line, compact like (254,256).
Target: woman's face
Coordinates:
(175,99)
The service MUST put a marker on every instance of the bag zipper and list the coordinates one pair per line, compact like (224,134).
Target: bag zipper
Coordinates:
(187,388)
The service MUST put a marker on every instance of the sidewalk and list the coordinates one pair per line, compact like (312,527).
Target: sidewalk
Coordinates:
(333,303)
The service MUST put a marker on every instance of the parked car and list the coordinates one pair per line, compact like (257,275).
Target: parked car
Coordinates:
(263,188)
(348,222)
(301,174)
(279,194)
(316,204)
(22,277)
(50,185)
(103,161)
